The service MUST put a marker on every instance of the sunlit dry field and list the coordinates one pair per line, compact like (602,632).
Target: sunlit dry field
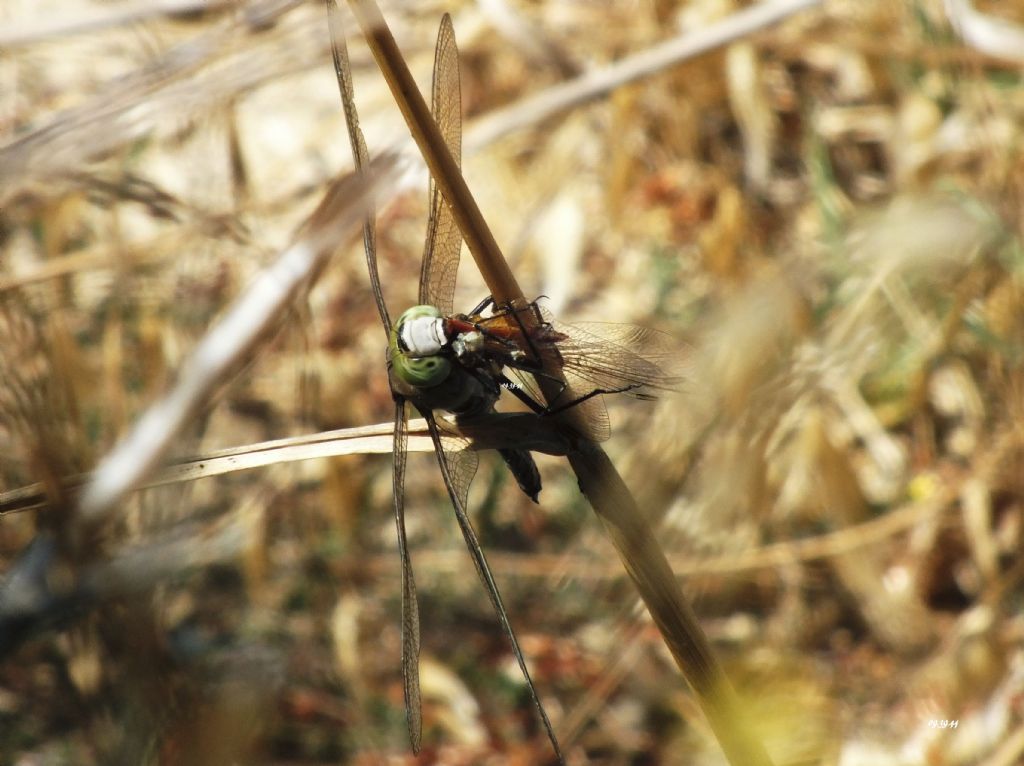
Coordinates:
(822,214)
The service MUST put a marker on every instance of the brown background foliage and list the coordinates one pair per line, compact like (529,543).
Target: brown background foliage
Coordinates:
(825,216)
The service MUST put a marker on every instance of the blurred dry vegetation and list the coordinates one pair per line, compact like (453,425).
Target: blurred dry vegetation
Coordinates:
(825,214)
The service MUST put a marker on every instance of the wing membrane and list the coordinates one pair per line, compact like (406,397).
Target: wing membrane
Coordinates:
(593,413)
(462,461)
(410,604)
(619,356)
(603,357)
(483,569)
(443,245)
(360,155)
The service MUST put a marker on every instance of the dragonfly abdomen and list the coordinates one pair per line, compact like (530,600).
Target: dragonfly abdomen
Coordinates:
(520,462)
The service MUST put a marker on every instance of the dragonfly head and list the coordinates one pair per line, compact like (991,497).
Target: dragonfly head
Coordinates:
(417,340)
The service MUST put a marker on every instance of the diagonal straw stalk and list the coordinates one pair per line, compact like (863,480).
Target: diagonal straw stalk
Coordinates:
(626,525)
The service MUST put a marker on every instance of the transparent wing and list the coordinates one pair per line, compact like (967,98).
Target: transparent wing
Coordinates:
(410,604)
(462,461)
(484,571)
(360,156)
(611,356)
(603,358)
(444,240)
(593,415)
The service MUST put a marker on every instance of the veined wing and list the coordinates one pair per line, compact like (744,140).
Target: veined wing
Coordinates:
(410,604)
(457,494)
(612,356)
(604,357)
(461,459)
(360,156)
(443,245)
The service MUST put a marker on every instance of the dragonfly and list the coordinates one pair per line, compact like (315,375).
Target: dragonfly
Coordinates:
(440,361)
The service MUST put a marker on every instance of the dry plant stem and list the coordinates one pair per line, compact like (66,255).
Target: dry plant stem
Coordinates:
(443,168)
(627,526)
(230,342)
(645,562)
(599,82)
(362,440)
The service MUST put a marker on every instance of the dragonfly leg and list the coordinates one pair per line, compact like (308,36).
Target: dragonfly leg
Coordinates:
(518,393)
(488,301)
(552,410)
(537,372)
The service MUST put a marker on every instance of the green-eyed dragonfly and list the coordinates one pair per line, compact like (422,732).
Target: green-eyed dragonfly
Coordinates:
(444,362)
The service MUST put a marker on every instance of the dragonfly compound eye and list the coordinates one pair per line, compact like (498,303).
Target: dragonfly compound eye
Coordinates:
(423,371)
(420,331)
(416,342)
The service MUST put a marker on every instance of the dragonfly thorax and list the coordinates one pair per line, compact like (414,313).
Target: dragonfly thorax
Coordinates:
(467,344)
